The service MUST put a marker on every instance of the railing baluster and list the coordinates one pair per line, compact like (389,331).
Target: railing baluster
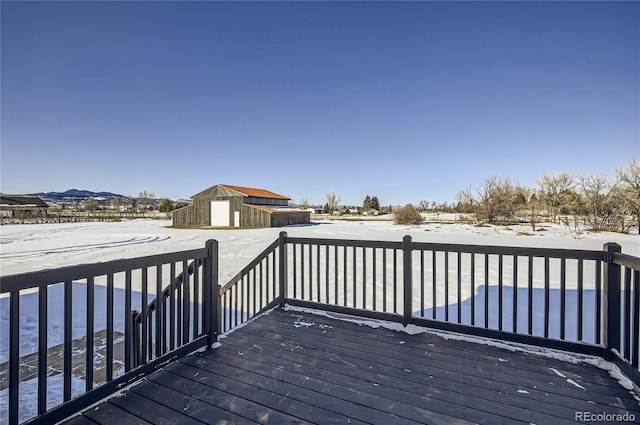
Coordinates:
(344,275)
(459,289)
(515,293)
(486,290)
(109,327)
(547,298)
(627,313)
(172,307)
(384,280)
(434,284)
(373,275)
(310,272)
(186,301)
(295,270)
(127,325)
(335,274)
(238,300)
(267,280)
(355,273)
(326,274)
(42,347)
(395,280)
(14,355)
(422,290)
(636,319)
(580,299)
(261,289)
(364,278)
(302,277)
(563,297)
(68,335)
(145,313)
(500,289)
(446,286)
(530,296)
(196,302)
(318,280)
(253,293)
(598,329)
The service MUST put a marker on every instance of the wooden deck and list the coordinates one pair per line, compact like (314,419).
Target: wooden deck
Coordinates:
(292,367)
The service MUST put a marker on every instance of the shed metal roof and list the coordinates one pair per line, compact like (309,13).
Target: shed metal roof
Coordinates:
(260,193)
(22,201)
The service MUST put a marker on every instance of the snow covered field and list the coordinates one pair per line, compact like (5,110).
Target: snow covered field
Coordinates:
(34,247)
(26,248)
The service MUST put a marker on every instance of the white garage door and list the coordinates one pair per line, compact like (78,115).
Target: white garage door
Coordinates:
(220,213)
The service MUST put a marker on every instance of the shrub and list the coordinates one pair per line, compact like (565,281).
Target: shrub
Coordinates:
(407,215)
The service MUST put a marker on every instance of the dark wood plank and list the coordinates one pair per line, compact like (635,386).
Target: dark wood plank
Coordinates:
(452,348)
(187,406)
(107,413)
(290,367)
(150,410)
(394,387)
(321,405)
(347,388)
(78,420)
(579,399)
(543,375)
(251,404)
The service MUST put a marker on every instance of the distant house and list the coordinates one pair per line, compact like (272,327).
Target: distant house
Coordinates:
(22,207)
(235,206)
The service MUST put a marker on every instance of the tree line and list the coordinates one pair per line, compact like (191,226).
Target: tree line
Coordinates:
(603,202)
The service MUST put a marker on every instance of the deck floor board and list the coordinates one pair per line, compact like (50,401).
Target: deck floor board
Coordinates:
(290,367)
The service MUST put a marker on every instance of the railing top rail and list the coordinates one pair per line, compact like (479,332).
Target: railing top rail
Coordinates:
(464,248)
(65,274)
(347,242)
(511,250)
(626,260)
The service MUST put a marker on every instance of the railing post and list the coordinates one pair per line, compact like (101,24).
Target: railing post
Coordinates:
(282,265)
(135,336)
(407,273)
(611,301)
(211,293)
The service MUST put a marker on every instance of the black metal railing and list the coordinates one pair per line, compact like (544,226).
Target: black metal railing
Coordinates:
(253,290)
(181,323)
(520,294)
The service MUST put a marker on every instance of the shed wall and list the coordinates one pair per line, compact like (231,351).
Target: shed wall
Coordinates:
(289,218)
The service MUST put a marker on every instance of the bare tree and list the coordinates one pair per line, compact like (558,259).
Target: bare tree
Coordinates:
(630,188)
(144,199)
(595,189)
(303,203)
(495,200)
(554,188)
(532,206)
(332,201)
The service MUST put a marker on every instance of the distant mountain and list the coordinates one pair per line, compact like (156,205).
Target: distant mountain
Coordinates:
(75,194)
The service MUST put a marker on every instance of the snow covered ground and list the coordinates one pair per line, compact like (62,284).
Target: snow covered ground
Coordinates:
(35,247)
(32,247)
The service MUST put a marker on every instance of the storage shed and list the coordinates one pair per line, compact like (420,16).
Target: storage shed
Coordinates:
(235,206)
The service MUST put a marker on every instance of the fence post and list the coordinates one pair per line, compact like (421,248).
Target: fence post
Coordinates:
(407,273)
(282,264)
(211,293)
(611,302)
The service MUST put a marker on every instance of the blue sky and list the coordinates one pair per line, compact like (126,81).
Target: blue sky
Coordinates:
(403,100)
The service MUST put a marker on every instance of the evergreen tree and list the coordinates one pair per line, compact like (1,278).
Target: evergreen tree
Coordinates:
(375,203)
(367,203)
